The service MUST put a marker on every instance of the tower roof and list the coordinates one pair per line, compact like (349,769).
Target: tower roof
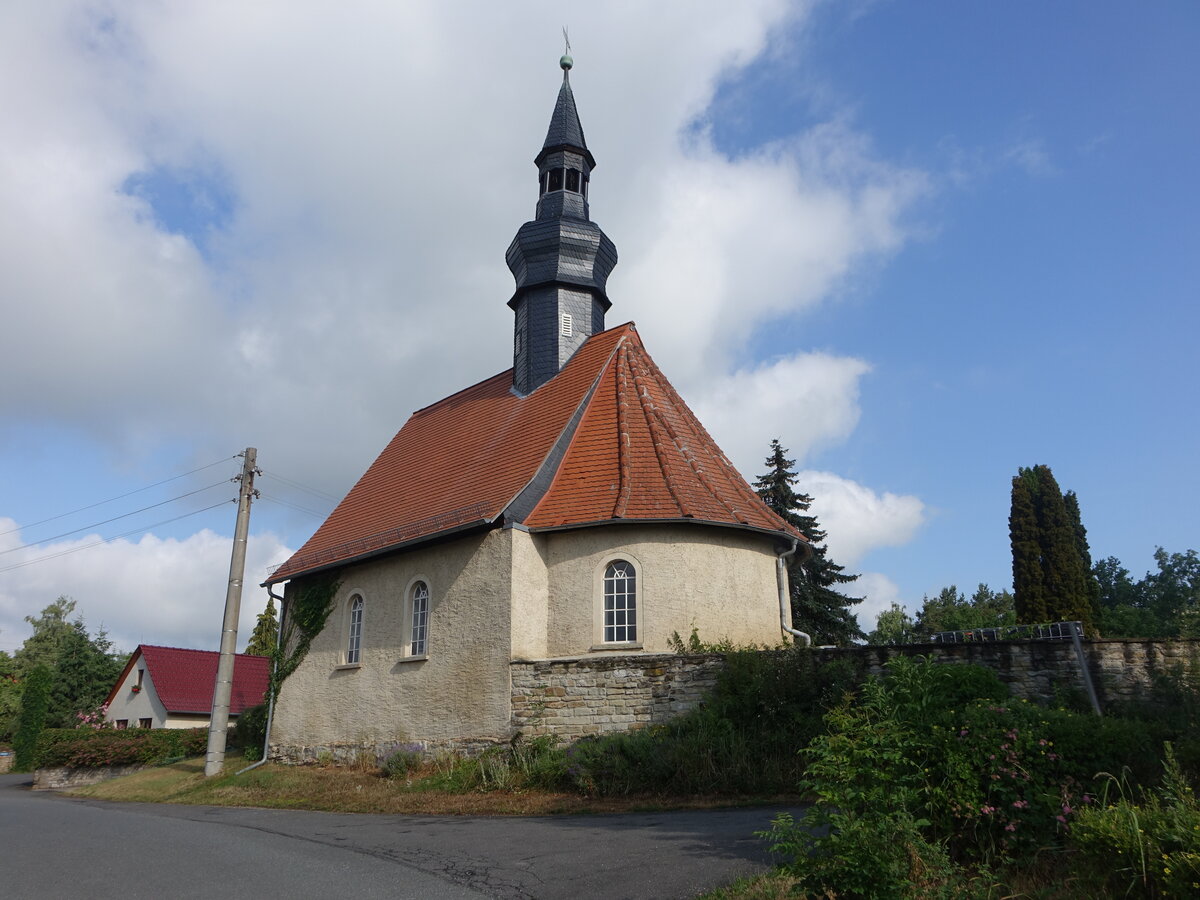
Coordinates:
(606,441)
(565,129)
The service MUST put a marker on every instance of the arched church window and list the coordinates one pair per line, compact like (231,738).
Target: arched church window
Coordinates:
(419,643)
(620,602)
(354,640)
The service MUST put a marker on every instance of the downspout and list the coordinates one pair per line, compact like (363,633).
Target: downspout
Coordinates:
(785,611)
(271,702)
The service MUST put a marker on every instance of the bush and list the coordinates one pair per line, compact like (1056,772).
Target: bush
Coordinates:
(742,740)
(1152,849)
(403,761)
(89,748)
(250,733)
(927,767)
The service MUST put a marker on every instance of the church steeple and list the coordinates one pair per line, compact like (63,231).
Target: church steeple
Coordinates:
(560,260)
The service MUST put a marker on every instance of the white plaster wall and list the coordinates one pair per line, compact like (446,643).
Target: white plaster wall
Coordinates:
(142,705)
(461,690)
(722,581)
(530,595)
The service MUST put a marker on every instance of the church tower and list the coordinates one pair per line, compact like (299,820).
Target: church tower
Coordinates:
(560,260)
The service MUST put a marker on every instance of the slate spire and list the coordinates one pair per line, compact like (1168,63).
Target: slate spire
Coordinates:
(561,259)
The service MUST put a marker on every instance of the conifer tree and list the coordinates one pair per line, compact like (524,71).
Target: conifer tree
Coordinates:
(817,608)
(35,700)
(1050,573)
(266,631)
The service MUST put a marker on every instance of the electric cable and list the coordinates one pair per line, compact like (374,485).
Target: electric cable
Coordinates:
(113,519)
(115,537)
(294,506)
(120,496)
(299,486)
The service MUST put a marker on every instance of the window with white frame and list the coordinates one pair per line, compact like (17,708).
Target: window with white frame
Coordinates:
(620,603)
(419,603)
(354,641)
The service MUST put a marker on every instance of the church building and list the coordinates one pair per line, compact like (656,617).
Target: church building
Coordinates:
(567,508)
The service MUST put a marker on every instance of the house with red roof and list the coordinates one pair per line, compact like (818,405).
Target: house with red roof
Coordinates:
(570,506)
(169,687)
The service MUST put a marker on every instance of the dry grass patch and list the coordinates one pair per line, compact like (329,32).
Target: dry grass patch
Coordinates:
(335,789)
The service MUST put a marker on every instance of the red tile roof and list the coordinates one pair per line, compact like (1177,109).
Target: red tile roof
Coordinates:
(607,439)
(184,679)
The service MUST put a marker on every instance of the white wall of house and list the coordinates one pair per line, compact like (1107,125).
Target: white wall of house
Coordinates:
(459,690)
(132,705)
(720,581)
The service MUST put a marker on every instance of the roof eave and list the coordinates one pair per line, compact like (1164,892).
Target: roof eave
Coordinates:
(477,525)
(671,520)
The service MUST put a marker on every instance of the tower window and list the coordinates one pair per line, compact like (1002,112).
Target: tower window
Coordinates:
(566,325)
(542,182)
(573,180)
(556,179)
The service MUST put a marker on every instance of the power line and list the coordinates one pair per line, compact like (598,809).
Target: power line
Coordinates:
(116,537)
(119,496)
(113,519)
(294,506)
(302,487)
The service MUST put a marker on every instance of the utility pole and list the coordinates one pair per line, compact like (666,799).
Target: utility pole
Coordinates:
(214,761)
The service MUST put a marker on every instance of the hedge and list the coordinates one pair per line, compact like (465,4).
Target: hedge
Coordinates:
(87,747)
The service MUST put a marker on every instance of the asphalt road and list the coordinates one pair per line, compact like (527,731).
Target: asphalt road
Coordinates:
(53,846)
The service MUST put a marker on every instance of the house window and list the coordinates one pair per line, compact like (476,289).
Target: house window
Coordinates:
(620,603)
(141,675)
(143,723)
(122,723)
(419,645)
(354,643)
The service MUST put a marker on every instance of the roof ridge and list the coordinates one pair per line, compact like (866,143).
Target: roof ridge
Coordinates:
(572,423)
(656,427)
(689,454)
(624,474)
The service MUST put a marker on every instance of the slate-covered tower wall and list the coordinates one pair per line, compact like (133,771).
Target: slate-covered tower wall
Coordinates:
(560,260)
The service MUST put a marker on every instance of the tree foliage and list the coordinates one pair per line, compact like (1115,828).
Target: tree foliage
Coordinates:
(35,701)
(266,631)
(951,610)
(1051,562)
(817,607)
(83,675)
(893,626)
(1163,604)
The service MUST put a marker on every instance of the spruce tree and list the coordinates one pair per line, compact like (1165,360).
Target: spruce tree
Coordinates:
(817,608)
(266,631)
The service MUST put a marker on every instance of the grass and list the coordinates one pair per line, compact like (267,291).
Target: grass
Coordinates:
(364,790)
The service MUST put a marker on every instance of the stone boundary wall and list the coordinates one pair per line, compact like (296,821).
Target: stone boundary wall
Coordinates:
(572,698)
(61,778)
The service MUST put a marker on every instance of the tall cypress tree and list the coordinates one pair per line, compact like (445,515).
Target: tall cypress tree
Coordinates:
(266,630)
(816,607)
(1028,591)
(1051,571)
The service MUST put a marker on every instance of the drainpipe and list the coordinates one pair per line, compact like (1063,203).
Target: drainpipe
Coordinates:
(271,702)
(781,578)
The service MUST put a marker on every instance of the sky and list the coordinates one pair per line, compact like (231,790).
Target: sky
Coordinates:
(921,244)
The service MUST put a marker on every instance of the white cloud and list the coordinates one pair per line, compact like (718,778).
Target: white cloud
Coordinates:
(379,159)
(153,590)
(808,401)
(878,592)
(856,518)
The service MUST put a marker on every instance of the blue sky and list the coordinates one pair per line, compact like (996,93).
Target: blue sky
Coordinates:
(924,244)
